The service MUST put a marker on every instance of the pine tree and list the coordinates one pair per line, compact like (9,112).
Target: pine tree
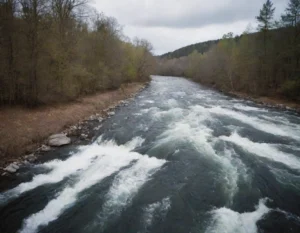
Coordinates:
(265,20)
(292,13)
(265,17)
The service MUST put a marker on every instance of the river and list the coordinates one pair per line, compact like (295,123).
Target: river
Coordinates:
(179,158)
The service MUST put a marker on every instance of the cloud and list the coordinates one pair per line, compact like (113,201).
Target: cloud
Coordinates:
(171,24)
(169,39)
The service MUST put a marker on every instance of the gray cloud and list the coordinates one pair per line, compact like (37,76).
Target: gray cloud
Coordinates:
(201,13)
(171,24)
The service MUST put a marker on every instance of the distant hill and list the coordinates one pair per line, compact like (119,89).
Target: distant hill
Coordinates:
(185,51)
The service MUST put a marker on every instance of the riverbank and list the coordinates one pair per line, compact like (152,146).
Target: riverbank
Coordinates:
(269,101)
(24,131)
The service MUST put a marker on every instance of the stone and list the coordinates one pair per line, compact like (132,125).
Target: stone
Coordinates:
(28,156)
(31,157)
(84,136)
(26,163)
(74,127)
(45,148)
(98,127)
(12,168)
(58,140)
(111,113)
(92,118)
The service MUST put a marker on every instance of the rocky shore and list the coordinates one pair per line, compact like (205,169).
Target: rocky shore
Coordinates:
(80,133)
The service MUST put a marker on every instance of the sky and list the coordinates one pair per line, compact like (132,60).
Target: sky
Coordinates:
(172,24)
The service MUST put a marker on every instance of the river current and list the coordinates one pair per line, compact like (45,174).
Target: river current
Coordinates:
(179,158)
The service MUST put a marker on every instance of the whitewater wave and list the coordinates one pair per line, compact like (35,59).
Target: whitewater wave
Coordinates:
(157,209)
(228,221)
(249,108)
(192,130)
(264,150)
(59,170)
(108,158)
(125,186)
(257,123)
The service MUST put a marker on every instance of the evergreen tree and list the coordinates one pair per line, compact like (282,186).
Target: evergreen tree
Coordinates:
(292,13)
(265,20)
(265,17)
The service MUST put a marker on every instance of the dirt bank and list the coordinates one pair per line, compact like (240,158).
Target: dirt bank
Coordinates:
(22,130)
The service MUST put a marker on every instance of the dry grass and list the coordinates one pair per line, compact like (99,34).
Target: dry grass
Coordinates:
(22,130)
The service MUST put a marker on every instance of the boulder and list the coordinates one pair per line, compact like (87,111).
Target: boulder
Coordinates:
(58,140)
(32,157)
(111,113)
(45,148)
(12,168)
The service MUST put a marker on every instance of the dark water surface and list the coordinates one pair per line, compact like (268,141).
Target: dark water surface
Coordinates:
(178,158)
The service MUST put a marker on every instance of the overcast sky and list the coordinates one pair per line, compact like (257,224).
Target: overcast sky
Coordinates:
(171,24)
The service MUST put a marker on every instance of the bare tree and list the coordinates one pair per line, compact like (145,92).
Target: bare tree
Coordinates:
(32,12)
(7,29)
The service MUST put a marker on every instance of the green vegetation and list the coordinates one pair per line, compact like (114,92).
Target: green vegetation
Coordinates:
(263,63)
(56,50)
(185,51)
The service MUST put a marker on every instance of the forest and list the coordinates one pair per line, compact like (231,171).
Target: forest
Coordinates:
(202,47)
(261,63)
(57,50)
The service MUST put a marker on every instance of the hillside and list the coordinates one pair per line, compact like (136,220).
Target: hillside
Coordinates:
(201,47)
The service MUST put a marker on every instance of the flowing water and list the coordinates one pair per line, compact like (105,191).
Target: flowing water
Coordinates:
(178,158)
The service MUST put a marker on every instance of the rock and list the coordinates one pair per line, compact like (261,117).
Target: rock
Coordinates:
(98,127)
(92,118)
(111,113)
(12,168)
(26,163)
(83,136)
(31,157)
(123,102)
(59,140)
(73,128)
(100,119)
(45,148)
(28,156)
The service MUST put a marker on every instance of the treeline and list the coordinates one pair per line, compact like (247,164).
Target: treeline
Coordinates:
(202,47)
(261,63)
(57,50)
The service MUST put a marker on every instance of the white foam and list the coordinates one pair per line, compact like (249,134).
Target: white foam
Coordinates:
(228,221)
(126,185)
(283,121)
(172,103)
(256,123)
(158,208)
(59,170)
(264,150)
(110,158)
(174,113)
(179,94)
(191,130)
(151,110)
(134,143)
(249,108)
(149,101)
